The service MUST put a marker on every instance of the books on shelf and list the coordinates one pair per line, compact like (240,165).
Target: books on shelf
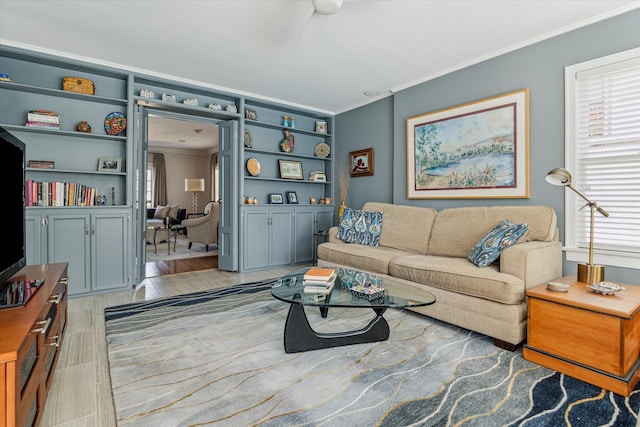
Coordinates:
(57,193)
(43,119)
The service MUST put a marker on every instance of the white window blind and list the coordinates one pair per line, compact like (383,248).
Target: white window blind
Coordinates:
(604,153)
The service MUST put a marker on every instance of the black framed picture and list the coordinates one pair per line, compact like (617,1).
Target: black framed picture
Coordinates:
(292,197)
(275,198)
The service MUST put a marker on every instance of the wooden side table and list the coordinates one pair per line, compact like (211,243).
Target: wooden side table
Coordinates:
(589,336)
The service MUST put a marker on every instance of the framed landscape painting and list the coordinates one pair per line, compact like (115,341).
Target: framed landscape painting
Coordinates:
(477,150)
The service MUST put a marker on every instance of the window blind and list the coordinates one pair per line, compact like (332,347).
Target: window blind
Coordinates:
(607,154)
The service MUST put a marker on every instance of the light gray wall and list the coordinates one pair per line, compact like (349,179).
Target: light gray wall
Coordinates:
(539,67)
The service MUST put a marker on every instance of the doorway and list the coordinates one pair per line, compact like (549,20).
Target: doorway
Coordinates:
(179,148)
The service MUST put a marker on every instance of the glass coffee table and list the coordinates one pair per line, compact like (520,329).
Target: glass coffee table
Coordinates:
(298,334)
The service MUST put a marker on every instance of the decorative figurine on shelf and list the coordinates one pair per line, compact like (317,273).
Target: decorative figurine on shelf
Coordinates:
(146,93)
(102,200)
(83,126)
(168,98)
(288,143)
(113,196)
(231,108)
(215,106)
(285,121)
(292,122)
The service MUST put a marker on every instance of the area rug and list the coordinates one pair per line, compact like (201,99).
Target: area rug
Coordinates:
(217,359)
(181,251)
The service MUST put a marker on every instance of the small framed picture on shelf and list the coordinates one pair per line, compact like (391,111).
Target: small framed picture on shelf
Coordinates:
(292,197)
(313,201)
(110,164)
(250,114)
(275,198)
(321,127)
(290,169)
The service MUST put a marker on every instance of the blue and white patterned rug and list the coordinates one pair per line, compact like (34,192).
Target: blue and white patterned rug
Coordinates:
(217,359)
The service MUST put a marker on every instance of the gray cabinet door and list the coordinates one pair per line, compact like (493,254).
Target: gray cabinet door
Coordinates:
(109,258)
(255,245)
(35,239)
(281,245)
(68,240)
(324,219)
(303,235)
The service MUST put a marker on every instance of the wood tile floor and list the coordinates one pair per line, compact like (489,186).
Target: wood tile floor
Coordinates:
(80,394)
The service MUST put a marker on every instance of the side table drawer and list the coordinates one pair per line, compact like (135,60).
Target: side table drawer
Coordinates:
(583,336)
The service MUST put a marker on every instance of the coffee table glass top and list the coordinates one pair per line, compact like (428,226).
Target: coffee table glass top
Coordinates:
(290,288)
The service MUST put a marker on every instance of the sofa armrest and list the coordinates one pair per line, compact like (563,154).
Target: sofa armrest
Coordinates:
(333,232)
(533,262)
(193,222)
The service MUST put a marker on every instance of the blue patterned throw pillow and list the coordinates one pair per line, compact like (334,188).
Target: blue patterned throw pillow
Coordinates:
(360,227)
(500,237)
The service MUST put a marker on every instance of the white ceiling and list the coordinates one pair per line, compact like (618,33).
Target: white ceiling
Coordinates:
(276,50)
(256,47)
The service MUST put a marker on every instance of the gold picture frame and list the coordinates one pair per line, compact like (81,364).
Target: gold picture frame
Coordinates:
(478,150)
(361,162)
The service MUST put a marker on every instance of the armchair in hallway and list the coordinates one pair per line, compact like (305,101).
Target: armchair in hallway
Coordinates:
(204,230)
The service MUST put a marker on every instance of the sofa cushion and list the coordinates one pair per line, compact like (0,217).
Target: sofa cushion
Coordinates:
(456,230)
(361,227)
(488,249)
(460,276)
(405,227)
(161,211)
(371,258)
(173,211)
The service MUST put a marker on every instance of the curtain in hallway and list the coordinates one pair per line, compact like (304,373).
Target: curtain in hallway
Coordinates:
(159,180)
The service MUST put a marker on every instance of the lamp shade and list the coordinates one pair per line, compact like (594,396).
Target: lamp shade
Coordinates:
(194,184)
(558,176)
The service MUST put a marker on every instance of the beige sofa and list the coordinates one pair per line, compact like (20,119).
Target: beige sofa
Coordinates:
(428,248)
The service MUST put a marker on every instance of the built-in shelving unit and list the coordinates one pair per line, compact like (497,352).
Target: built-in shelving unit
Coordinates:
(106,261)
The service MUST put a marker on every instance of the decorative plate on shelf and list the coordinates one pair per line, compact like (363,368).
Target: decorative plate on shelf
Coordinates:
(253,166)
(322,149)
(115,123)
(248,139)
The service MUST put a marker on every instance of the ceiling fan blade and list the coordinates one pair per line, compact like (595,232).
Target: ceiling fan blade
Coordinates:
(313,30)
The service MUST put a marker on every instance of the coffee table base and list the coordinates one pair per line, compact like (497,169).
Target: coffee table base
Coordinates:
(299,336)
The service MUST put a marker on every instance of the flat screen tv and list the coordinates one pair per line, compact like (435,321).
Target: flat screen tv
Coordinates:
(12,162)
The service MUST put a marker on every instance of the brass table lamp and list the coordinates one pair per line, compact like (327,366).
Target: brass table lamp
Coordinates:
(587,273)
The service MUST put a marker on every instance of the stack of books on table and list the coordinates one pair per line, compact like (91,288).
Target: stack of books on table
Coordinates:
(319,280)
(43,119)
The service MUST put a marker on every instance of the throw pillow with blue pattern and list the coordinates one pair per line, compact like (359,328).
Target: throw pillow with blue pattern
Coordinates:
(500,237)
(360,227)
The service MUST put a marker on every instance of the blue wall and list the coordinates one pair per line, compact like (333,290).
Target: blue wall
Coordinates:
(539,67)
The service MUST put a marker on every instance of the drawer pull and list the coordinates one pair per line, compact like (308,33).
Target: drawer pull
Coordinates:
(44,328)
(56,343)
(55,299)
(64,280)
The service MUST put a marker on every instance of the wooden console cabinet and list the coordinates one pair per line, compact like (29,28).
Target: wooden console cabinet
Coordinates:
(589,336)
(30,339)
